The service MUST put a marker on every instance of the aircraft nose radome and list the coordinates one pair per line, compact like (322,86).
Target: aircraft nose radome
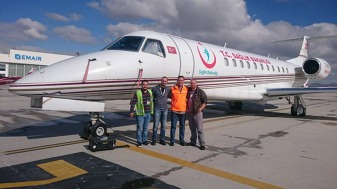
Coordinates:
(24,85)
(32,78)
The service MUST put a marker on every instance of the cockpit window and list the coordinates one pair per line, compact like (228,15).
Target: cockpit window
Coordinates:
(128,43)
(155,47)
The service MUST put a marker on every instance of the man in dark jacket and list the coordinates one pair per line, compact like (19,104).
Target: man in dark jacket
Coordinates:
(196,102)
(160,93)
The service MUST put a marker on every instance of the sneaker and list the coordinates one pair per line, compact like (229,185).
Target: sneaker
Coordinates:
(183,143)
(153,143)
(162,142)
(139,145)
(146,143)
(202,148)
(171,143)
(191,144)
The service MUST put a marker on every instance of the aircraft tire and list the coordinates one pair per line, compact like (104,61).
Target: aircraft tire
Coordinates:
(87,128)
(303,113)
(293,111)
(98,129)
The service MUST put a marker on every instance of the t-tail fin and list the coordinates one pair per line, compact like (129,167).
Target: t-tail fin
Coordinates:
(305,46)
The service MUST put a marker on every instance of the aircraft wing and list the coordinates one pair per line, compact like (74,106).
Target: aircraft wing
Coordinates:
(299,91)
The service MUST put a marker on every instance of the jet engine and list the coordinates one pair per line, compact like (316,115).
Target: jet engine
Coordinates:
(316,68)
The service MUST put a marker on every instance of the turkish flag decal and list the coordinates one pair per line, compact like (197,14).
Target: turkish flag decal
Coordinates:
(171,50)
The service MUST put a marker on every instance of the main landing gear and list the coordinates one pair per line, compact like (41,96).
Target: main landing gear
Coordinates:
(96,127)
(298,107)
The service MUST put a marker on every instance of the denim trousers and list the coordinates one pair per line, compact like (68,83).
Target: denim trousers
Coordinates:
(174,119)
(142,127)
(160,115)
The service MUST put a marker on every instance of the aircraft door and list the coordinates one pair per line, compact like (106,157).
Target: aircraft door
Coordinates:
(186,57)
(151,60)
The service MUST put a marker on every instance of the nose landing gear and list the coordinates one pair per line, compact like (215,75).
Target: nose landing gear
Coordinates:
(96,127)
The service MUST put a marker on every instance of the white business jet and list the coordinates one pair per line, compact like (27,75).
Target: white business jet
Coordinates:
(85,82)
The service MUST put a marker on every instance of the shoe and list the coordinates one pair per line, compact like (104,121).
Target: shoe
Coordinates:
(162,142)
(153,143)
(202,148)
(139,145)
(183,143)
(146,143)
(191,144)
(171,143)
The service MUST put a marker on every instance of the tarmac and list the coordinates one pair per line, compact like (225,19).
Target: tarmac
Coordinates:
(262,146)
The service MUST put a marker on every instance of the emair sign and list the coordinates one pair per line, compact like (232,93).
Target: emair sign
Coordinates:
(27,57)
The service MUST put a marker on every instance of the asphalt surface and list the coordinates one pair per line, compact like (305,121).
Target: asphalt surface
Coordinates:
(262,146)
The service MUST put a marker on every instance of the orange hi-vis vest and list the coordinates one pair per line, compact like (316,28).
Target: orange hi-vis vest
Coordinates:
(178,99)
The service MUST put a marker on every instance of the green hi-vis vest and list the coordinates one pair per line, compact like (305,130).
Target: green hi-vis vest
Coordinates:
(139,108)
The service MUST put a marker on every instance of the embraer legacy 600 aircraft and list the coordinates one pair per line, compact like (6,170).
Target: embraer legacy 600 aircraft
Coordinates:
(85,82)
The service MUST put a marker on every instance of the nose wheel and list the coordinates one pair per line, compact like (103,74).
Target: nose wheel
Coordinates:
(96,127)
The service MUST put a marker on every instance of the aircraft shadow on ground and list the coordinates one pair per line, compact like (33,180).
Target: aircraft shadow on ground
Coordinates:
(73,125)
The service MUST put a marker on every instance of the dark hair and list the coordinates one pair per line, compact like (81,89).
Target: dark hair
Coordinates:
(181,77)
(143,81)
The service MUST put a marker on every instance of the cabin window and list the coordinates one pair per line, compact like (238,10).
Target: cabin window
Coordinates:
(261,66)
(283,69)
(267,67)
(128,43)
(155,47)
(234,63)
(248,65)
(226,62)
(272,66)
(287,70)
(278,69)
(241,63)
(255,66)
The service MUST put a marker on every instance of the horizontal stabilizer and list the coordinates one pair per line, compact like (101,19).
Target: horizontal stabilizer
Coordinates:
(299,91)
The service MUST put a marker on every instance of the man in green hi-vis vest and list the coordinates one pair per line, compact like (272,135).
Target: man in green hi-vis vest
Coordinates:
(142,108)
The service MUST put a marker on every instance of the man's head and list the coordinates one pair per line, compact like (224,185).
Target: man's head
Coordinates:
(144,84)
(180,81)
(163,81)
(194,84)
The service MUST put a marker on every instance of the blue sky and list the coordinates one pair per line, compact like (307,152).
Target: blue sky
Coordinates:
(70,26)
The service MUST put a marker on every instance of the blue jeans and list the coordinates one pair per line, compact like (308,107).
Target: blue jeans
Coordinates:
(142,127)
(174,119)
(159,115)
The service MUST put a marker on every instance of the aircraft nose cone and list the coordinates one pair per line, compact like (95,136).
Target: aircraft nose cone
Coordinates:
(25,86)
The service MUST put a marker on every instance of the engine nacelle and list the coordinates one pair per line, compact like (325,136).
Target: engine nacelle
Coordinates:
(316,68)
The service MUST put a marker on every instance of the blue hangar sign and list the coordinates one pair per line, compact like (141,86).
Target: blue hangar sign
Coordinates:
(27,57)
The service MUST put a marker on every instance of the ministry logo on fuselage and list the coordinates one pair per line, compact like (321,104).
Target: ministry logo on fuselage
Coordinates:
(207,58)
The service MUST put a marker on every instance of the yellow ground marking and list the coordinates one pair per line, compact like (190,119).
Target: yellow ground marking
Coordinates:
(60,169)
(202,168)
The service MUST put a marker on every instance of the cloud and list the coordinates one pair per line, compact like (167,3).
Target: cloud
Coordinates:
(214,21)
(74,33)
(58,17)
(32,28)
(94,5)
(152,10)
(23,29)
